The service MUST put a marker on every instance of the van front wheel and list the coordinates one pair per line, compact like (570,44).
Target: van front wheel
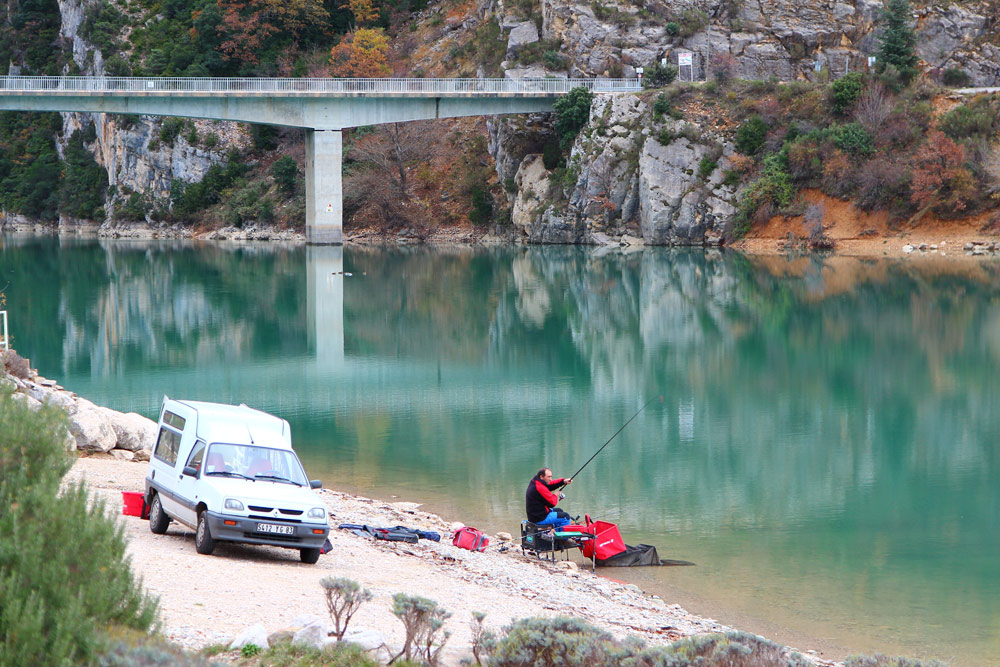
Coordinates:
(203,542)
(158,519)
(310,556)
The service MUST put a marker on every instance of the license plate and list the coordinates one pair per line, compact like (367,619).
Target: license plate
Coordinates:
(275,528)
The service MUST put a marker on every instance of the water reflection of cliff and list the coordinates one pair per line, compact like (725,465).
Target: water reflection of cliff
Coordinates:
(793,391)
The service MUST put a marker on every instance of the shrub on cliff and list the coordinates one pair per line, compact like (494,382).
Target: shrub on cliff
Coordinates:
(572,112)
(750,135)
(897,44)
(64,576)
(845,91)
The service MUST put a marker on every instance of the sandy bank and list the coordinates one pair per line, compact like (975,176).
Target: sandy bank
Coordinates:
(211,599)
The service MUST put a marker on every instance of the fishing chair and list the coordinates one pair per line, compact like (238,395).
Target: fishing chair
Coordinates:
(545,541)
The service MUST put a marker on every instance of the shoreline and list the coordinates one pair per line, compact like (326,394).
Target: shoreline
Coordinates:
(501,581)
(198,594)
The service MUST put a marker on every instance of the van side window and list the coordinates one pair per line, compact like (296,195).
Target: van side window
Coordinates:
(197,454)
(167,444)
(176,421)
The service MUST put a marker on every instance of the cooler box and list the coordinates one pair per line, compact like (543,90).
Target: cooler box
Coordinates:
(133,504)
(607,540)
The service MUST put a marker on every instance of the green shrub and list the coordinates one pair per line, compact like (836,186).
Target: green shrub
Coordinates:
(979,118)
(656,75)
(285,172)
(572,112)
(705,167)
(56,601)
(772,191)
(661,106)
(845,91)
(672,28)
(691,21)
(665,137)
(265,137)
(750,135)
(250,650)
(170,128)
(852,138)
(211,140)
(549,641)
(956,77)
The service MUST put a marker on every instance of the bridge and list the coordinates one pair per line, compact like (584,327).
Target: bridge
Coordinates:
(323,107)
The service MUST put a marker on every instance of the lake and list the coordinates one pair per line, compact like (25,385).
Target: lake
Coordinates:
(820,441)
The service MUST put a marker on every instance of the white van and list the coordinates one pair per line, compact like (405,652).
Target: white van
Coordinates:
(229,473)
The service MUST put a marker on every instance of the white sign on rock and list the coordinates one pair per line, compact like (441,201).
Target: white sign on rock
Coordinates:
(684,59)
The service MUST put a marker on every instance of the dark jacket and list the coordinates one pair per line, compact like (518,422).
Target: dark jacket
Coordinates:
(539,499)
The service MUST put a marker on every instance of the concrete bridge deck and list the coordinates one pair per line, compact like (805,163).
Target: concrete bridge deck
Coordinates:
(323,107)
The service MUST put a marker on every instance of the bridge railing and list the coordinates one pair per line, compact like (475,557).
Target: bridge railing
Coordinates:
(264,86)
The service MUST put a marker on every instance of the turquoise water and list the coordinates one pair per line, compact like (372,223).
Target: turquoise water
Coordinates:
(824,448)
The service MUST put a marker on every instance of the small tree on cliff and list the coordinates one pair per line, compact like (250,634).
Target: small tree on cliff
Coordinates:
(898,41)
(572,113)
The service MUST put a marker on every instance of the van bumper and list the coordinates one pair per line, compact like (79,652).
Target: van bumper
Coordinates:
(228,528)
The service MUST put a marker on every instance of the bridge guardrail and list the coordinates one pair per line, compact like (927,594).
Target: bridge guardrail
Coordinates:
(387,86)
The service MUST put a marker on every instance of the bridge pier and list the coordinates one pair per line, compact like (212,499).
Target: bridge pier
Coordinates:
(324,187)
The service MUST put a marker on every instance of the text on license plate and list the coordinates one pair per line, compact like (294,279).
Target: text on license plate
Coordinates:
(275,528)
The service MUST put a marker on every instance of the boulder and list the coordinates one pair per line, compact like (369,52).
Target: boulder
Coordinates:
(369,640)
(255,634)
(141,455)
(284,635)
(122,454)
(521,34)
(92,431)
(59,399)
(312,635)
(134,432)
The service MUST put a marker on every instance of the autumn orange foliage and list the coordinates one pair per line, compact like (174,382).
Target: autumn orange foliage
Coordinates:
(940,178)
(363,11)
(247,24)
(364,53)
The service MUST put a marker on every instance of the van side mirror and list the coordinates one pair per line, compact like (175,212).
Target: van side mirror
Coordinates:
(315,484)
(190,471)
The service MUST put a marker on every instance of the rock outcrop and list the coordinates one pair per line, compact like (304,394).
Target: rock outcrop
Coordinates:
(91,428)
(625,182)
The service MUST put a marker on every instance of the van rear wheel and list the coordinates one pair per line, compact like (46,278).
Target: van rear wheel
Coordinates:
(203,541)
(158,519)
(310,556)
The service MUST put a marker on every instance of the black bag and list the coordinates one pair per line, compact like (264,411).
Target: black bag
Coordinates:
(327,547)
(395,535)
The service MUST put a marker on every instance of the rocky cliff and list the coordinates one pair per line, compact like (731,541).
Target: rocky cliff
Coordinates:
(627,184)
(132,148)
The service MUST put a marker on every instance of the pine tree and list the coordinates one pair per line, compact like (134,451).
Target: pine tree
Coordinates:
(898,40)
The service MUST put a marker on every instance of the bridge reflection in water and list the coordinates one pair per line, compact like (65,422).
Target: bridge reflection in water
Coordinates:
(824,448)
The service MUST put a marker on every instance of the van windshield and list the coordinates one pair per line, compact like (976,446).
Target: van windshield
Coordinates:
(255,463)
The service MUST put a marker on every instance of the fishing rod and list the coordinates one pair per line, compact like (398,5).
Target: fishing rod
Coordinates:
(573,476)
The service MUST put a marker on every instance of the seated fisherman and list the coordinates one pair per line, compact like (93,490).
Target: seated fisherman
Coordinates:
(540,500)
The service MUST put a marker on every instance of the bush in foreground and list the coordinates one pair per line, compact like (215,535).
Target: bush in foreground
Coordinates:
(64,576)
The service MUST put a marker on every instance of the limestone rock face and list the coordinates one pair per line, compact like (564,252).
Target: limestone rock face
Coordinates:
(630,189)
(511,138)
(782,38)
(675,208)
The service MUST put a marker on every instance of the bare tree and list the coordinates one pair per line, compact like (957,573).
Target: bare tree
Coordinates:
(873,108)
(392,149)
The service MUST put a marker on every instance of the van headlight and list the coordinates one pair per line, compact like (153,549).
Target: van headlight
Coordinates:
(233,504)
(316,513)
